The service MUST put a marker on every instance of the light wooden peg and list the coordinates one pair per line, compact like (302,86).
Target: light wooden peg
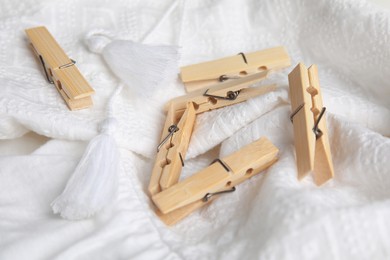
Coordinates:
(310,130)
(178,148)
(209,73)
(172,149)
(218,177)
(217,96)
(60,69)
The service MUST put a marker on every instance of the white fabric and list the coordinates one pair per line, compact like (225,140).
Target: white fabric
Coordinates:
(271,216)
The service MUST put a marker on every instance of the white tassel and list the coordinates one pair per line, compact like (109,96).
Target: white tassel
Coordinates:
(94,182)
(142,68)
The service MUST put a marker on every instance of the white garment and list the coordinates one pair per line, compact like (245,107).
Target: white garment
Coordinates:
(272,215)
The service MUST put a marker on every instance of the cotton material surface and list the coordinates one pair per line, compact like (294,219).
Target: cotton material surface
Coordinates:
(270,216)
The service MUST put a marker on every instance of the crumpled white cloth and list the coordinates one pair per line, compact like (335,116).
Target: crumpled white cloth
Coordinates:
(271,216)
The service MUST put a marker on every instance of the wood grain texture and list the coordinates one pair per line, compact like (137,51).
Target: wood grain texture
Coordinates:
(203,103)
(72,86)
(154,183)
(243,164)
(323,164)
(178,147)
(313,155)
(177,215)
(207,73)
(48,47)
(304,138)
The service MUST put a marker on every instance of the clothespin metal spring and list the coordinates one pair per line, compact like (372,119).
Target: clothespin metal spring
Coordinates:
(231,95)
(296,112)
(172,129)
(45,70)
(227,168)
(316,130)
(222,78)
(60,67)
(71,63)
(209,195)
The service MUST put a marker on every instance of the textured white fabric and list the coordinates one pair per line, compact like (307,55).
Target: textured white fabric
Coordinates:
(271,216)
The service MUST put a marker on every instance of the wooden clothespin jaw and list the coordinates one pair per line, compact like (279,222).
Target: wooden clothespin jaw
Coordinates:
(310,130)
(60,70)
(181,115)
(209,73)
(219,177)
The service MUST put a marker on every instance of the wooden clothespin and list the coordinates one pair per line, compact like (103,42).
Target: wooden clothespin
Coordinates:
(220,177)
(181,115)
(60,69)
(223,94)
(204,74)
(172,149)
(310,131)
